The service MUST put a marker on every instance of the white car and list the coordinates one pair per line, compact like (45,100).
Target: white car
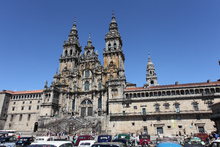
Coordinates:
(86,143)
(215,143)
(43,138)
(52,144)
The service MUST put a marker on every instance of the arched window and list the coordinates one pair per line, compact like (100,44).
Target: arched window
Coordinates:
(166,105)
(147,94)
(209,104)
(207,91)
(135,95)
(20,117)
(157,107)
(182,92)
(86,108)
(86,86)
(71,52)
(109,46)
(100,85)
(73,104)
(88,53)
(87,73)
(159,93)
(100,103)
(65,52)
(177,107)
(115,45)
(195,106)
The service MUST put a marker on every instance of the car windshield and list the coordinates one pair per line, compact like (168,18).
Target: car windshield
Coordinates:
(23,139)
(103,137)
(144,137)
(83,137)
(86,143)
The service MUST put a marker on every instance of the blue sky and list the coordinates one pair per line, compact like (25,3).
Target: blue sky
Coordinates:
(182,36)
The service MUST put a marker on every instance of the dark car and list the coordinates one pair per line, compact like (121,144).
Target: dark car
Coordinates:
(24,141)
(122,140)
(8,141)
(108,144)
(104,138)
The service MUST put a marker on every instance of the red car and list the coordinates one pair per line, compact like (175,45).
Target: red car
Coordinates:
(144,140)
(83,137)
(202,136)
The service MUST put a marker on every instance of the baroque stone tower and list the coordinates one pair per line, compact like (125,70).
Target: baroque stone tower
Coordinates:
(71,51)
(151,76)
(114,73)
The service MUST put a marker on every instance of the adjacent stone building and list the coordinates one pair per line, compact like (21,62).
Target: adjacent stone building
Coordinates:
(84,88)
(216,115)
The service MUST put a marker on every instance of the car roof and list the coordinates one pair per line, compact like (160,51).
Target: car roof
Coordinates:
(87,141)
(218,140)
(26,137)
(112,143)
(85,136)
(51,142)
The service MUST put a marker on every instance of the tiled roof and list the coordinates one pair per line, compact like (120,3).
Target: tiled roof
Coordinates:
(174,86)
(22,92)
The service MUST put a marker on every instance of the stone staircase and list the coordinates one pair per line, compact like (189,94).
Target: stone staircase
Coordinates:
(69,125)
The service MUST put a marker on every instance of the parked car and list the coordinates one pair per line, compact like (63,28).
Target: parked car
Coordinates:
(83,137)
(43,138)
(86,143)
(144,140)
(123,136)
(203,136)
(122,140)
(24,141)
(52,144)
(215,143)
(8,141)
(108,144)
(104,138)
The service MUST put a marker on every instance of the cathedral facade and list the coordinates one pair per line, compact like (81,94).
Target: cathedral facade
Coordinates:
(84,88)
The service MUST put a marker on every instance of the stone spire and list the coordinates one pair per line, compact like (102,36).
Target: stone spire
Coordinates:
(113,54)
(113,25)
(89,52)
(151,76)
(73,35)
(71,51)
(113,38)
(89,42)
